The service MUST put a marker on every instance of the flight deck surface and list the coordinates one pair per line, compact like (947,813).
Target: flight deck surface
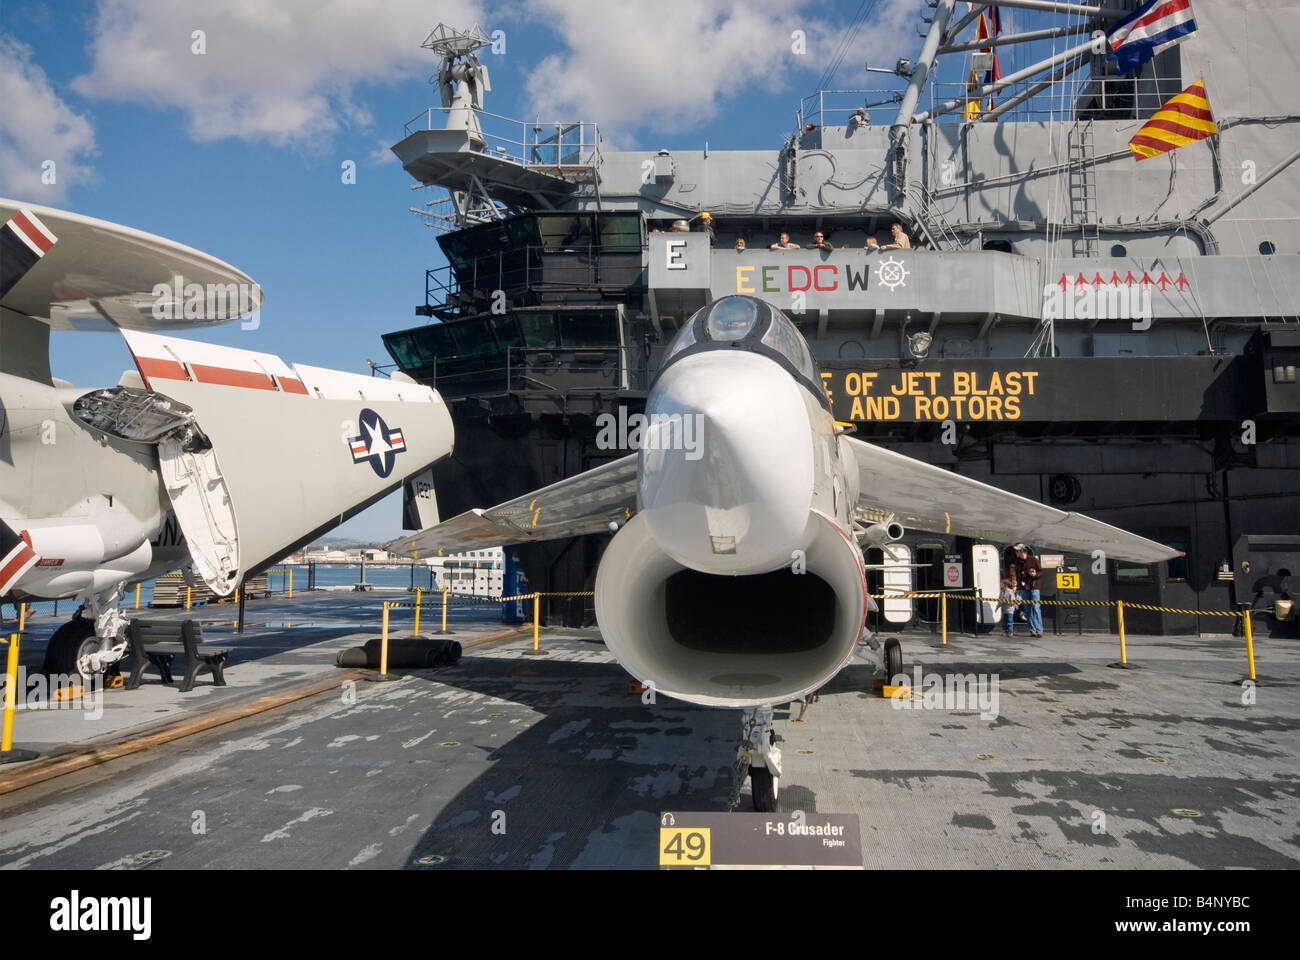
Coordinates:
(519,761)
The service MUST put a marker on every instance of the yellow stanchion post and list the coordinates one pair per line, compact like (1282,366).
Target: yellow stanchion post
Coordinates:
(416,629)
(291,584)
(22,617)
(383,673)
(444,609)
(137,596)
(7,752)
(1123,639)
(1250,643)
(11,694)
(236,594)
(943,618)
(536,619)
(188,592)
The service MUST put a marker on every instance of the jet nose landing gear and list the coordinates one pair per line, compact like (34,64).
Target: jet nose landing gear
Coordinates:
(760,757)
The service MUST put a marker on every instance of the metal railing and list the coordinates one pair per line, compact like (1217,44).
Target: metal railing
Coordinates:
(1133,98)
(534,267)
(833,108)
(537,144)
(527,369)
(1119,97)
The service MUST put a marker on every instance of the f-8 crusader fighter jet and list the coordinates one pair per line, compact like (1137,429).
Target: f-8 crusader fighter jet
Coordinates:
(210,459)
(735,576)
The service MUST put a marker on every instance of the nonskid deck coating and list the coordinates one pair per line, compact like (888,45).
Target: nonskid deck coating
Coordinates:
(510,760)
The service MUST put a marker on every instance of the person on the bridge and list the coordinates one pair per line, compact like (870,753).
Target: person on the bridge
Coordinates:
(900,241)
(1030,582)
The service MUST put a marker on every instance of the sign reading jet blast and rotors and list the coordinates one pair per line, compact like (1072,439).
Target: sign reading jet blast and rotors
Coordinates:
(784,839)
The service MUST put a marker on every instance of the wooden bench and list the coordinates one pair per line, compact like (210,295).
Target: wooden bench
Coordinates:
(157,642)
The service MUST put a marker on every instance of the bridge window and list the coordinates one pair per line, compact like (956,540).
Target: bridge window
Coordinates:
(1268,248)
(507,333)
(589,328)
(620,233)
(474,338)
(402,347)
(565,234)
(538,328)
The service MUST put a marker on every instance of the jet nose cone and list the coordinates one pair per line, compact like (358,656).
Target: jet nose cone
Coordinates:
(726,475)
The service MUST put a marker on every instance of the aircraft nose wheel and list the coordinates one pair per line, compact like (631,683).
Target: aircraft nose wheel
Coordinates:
(893,659)
(763,786)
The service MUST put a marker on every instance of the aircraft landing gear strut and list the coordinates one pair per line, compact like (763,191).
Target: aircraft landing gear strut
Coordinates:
(89,645)
(760,757)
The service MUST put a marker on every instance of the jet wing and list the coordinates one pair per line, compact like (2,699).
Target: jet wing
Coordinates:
(586,503)
(926,497)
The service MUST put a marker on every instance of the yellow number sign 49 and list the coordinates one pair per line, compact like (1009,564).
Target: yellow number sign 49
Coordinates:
(684,846)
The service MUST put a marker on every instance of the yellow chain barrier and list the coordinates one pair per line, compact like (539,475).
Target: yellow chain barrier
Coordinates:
(930,594)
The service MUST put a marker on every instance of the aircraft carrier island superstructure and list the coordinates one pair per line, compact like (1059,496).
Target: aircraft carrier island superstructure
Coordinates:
(1102,334)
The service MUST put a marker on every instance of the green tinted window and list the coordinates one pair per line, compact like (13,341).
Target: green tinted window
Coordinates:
(522,231)
(565,234)
(506,331)
(455,249)
(538,328)
(435,341)
(589,328)
(620,233)
(474,338)
(1178,566)
(1131,572)
(402,347)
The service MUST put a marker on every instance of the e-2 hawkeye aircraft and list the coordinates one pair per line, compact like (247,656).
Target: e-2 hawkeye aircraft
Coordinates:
(206,458)
(735,576)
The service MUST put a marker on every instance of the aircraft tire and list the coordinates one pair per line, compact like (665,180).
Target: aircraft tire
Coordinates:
(893,659)
(763,787)
(67,646)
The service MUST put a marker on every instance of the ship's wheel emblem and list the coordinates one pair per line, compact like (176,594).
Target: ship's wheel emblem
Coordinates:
(892,274)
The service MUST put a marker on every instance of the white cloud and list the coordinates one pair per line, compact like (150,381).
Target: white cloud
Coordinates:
(37,126)
(281,72)
(676,63)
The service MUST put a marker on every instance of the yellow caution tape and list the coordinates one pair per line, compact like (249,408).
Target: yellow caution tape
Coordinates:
(1128,605)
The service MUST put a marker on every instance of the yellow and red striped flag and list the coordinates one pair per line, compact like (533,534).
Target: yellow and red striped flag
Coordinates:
(1183,120)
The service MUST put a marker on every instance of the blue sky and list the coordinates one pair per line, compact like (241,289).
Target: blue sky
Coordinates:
(238,151)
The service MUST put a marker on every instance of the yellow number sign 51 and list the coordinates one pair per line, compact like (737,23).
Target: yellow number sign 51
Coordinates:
(1067,581)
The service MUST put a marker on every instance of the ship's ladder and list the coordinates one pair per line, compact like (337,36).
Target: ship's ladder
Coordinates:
(1083,189)
(931,218)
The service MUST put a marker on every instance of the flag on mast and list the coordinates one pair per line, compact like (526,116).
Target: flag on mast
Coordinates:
(1185,119)
(1153,27)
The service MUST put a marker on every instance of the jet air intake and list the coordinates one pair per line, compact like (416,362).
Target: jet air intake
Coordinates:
(728,640)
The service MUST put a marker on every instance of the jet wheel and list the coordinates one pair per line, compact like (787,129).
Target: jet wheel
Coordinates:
(893,659)
(70,643)
(764,788)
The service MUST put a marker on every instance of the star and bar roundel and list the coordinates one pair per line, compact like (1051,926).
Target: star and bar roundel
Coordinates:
(378,445)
